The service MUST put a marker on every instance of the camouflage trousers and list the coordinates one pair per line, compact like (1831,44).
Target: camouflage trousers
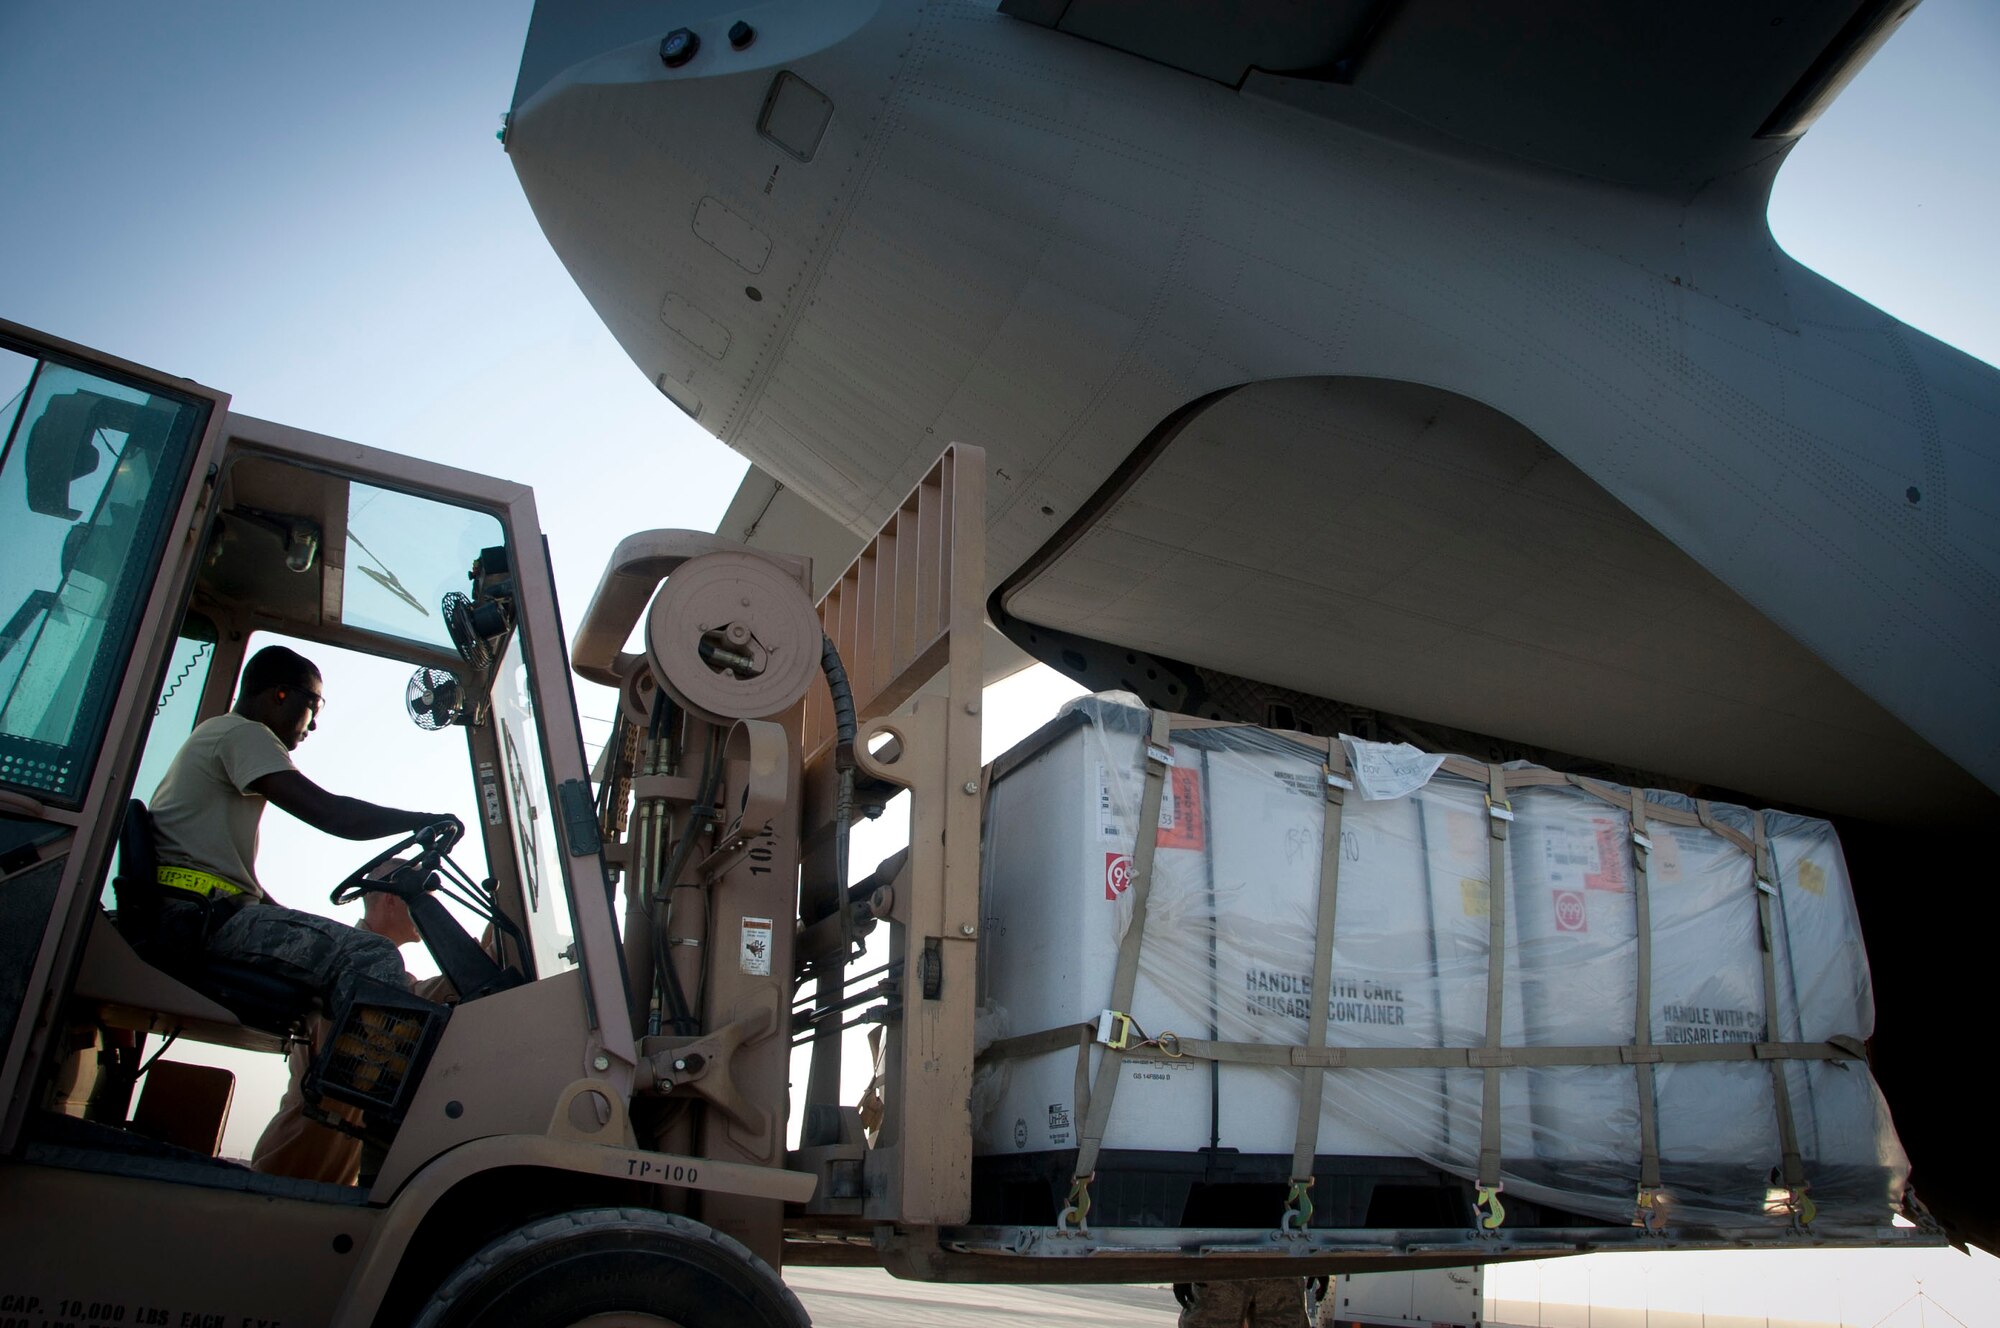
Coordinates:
(318,952)
(1277,1302)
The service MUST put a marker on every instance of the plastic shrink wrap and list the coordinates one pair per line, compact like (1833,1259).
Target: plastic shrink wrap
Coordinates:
(1227,956)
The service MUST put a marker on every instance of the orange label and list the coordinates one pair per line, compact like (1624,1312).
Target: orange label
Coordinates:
(1180,823)
(1614,858)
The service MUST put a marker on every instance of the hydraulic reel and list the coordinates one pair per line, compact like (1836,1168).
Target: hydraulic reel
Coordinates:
(730,636)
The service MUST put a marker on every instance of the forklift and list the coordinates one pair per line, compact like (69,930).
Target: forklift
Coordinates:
(598,1123)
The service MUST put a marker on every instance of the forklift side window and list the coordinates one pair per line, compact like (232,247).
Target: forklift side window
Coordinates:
(175,711)
(89,473)
(524,792)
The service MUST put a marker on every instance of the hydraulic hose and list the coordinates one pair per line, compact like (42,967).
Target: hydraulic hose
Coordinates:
(686,1017)
(845,730)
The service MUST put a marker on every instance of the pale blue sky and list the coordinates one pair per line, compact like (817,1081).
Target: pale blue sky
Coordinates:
(305,206)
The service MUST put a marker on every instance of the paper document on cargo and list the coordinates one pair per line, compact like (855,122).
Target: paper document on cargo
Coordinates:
(1388,769)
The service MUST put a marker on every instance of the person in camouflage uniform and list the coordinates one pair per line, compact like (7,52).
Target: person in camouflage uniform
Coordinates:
(206,813)
(1274,1302)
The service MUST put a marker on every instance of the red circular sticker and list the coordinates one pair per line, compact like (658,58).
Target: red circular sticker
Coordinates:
(1570,915)
(1117,874)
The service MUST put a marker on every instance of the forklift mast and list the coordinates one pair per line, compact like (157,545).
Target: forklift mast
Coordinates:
(617,1076)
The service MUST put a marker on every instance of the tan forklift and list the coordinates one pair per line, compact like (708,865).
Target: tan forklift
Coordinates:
(596,1131)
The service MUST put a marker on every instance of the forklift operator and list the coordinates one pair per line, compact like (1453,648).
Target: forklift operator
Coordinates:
(206,813)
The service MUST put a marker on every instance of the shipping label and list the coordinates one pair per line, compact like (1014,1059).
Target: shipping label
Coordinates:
(1149,1071)
(1597,857)
(1474,897)
(1181,824)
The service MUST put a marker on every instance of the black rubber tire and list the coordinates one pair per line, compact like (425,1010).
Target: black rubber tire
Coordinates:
(563,1270)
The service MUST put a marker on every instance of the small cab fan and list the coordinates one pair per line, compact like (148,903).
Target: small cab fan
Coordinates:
(459,621)
(435,699)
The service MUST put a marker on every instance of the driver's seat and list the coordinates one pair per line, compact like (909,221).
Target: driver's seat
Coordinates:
(260,998)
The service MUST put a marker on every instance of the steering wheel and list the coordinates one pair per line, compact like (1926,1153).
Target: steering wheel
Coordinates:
(417,881)
(433,842)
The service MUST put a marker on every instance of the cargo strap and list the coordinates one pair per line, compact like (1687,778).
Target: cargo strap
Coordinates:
(1499,815)
(1159,756)
(1648,1212)
(1280,1056)
(206,884)
(1038,1044)
(1792,1170)
(1297,1215)
(1503,1058)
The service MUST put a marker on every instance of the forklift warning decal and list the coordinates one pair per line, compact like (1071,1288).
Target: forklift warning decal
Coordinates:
(756,952)
(62,1312)
(489,791)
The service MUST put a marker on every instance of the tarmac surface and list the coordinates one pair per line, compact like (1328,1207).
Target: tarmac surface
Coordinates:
(870,1298)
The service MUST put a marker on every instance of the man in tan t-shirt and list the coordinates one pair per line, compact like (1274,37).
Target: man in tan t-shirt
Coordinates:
(206,813)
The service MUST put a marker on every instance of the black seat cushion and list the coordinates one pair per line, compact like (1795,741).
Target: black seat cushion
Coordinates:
(257,996)
(260,998)
(137,882)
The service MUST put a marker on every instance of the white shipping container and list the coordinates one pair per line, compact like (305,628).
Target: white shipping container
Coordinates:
(1265,828)
(1056,904)
(1228,953)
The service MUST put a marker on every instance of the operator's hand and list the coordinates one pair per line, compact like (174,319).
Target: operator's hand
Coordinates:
(388,917)
(422,821)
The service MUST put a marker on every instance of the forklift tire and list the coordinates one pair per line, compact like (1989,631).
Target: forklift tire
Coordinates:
(614,1265)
